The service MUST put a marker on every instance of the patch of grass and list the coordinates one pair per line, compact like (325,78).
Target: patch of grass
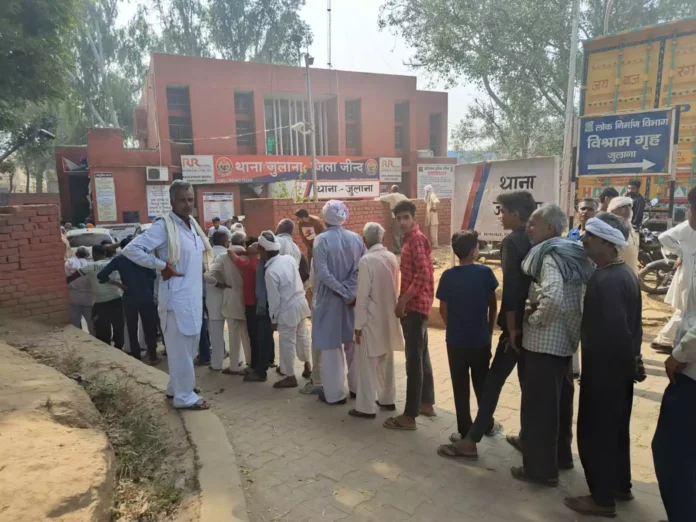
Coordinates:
(68,363)
(144,493)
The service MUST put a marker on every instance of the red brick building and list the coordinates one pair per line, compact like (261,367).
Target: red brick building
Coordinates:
(232,123)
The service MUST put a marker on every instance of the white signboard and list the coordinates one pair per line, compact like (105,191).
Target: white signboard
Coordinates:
(390,170)
(217,204)
(198,170)
(366,189)
(106,196)
(158,202)
(441,177)
(477,187)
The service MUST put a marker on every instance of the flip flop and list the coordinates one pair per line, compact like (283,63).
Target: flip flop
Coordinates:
(429,414)
(450,451)
(392,424)
(198,406)
(386,407)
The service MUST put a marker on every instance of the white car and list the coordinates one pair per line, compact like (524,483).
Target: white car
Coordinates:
(88,237)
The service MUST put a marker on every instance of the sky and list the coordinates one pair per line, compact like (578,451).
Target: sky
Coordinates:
(359,45)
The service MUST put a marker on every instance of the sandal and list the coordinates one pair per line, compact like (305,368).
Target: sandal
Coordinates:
(230,371)
(392,424)
(361,415)
(520,474)
(198,406)
(450,451)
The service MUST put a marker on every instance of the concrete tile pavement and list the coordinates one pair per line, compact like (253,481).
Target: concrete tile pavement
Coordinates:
(304,461)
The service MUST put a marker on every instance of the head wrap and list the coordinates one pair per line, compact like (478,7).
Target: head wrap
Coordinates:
(268,246)
(335,212)
(599,228)
(621,201)
(428,188)
(237,227)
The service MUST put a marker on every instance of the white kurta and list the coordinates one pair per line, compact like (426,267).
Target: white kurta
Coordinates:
(432,202)
(677,241)
(231,310)
(180,300)
(378,286)
(288,308)
(685,345)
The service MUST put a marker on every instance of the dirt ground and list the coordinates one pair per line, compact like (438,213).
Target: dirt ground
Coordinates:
(655,311)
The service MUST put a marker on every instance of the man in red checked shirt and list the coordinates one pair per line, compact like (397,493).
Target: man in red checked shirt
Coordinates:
(413,308)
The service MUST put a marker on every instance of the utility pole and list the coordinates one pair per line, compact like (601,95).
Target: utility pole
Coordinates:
(313,141)
(566,198)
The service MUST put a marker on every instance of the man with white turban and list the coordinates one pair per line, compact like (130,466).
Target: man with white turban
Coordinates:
(623,207)
(287,307)
(431,219)
(611,334)
(336,254)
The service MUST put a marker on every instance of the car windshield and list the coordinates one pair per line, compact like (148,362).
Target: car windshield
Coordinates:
(88,240)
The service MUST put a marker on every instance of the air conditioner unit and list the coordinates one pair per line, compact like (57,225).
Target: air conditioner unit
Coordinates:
(157,173)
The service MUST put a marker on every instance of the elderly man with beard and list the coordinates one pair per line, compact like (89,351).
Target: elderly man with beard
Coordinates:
(623,207)
(611,336)
(336,255)
(550,336)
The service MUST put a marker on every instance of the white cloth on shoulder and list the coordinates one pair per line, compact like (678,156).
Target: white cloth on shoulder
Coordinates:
(173,241)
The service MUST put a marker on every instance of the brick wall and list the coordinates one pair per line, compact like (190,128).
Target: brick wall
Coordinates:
(32,273)
(264,214)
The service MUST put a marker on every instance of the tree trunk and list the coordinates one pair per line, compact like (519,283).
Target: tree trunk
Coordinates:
(39,181)
(12,175)
(26,172)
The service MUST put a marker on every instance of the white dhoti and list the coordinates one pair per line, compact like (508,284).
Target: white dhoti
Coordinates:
(293,340)
(668,333)
(181,350)
(433,236)
(238,338)
(333,372)
(375,379)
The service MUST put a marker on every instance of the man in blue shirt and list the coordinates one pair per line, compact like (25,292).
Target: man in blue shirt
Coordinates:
(138,300)
(586,210)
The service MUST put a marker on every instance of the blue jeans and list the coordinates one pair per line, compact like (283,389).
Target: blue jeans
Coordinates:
(674,452)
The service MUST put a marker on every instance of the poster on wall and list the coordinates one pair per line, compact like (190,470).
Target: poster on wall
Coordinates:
(217,204)
(441,177)
(157,201)
(390,170)
(475,203)
(105,196)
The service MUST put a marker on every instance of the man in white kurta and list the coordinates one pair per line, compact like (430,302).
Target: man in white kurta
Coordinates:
(679,241)
(227,276)
(288,247)
(623,207)
(287,307)
(377,329)
(432,222)
(181,248)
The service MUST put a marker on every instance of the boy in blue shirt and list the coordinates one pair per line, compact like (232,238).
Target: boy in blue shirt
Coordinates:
(469,308)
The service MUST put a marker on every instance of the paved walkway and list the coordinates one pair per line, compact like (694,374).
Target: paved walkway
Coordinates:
(304,461)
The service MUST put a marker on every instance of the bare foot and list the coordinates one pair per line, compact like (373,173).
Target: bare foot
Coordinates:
(427,410)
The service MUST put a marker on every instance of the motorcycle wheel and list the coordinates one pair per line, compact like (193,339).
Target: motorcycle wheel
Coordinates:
(656,277)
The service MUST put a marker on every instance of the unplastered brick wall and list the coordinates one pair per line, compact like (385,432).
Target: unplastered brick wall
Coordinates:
(264,214)
(32,273)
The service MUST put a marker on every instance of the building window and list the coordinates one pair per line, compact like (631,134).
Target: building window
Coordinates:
(245,133)
(353,110)
(352,136)
(243,102)
(401,112)
(180,129)
(178,99)
(435,133)
(398,138)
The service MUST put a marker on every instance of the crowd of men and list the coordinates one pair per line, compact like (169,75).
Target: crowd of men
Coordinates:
(365,304)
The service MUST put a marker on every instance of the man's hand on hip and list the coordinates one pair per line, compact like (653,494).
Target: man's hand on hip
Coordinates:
(168,272)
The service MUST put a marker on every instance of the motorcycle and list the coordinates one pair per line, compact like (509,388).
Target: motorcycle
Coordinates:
(656,276)
(649,249)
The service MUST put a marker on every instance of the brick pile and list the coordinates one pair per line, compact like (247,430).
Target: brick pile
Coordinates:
(264,214)
(32,273)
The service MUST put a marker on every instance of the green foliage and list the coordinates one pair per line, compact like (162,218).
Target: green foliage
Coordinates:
(516,52)
(35,52)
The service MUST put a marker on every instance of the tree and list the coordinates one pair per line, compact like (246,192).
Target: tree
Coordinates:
(516,52)
(184,26)
(258,30)
(35,45)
